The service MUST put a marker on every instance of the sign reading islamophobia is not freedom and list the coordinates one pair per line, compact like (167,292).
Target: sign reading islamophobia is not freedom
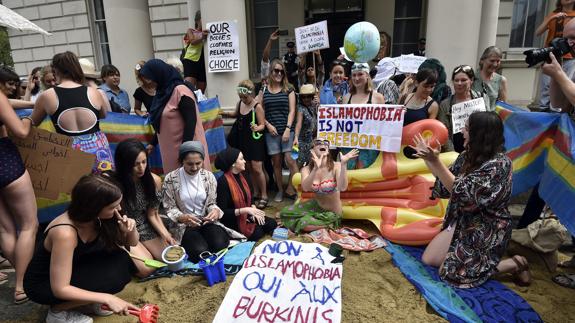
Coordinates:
(223,47)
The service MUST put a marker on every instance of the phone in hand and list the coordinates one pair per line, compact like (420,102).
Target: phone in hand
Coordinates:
(282,32)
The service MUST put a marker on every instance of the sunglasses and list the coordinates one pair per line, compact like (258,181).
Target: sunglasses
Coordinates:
(306,96)
(319,142)
(243,90)
(462,68)
(278,71)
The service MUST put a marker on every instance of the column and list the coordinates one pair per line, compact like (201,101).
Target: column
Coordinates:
(452,32)
(193,6)
(488,27)
(224,84)
(130,39)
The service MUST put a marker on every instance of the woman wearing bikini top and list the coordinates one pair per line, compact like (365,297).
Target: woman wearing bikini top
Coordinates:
(326,178)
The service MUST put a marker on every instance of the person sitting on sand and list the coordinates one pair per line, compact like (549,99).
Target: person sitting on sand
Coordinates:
(326,178)
(140,190)
(189,197)
(79,263)
(236,200)
(477,224)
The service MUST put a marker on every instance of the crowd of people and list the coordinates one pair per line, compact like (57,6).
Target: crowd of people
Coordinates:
(123,209)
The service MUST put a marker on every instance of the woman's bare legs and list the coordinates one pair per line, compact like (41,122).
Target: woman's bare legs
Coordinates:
(436,250)
(258,178)
(141,251)
(277,165)
(292,165)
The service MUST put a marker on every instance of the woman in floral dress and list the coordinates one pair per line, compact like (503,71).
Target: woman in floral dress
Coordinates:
(477,224)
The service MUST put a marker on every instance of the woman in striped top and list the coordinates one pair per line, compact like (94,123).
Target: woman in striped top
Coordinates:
(278,100)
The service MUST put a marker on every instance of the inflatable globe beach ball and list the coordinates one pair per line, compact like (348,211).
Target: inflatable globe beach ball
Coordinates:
(361,42)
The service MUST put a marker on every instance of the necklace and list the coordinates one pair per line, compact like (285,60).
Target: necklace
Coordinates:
(193,180)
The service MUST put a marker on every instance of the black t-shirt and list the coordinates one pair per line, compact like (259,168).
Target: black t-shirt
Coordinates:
(143,97)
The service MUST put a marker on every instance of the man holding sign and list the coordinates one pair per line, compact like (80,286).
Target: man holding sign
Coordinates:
(454,111)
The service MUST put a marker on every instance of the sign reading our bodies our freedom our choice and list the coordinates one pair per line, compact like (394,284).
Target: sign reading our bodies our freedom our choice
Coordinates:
(363,126)
(285,281)
(460,112)
(223,47)
(311,37)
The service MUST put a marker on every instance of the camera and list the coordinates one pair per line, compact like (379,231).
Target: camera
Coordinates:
(558,46)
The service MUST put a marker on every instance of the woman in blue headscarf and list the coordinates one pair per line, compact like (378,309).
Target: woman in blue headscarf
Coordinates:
(174,112)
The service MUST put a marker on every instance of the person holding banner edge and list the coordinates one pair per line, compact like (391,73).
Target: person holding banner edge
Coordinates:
(362,92)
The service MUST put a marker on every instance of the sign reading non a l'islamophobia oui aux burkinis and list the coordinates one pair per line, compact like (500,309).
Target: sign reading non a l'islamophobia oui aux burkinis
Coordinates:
(285,281)
(362,126)
(223,47)
(460,112)
(311,37)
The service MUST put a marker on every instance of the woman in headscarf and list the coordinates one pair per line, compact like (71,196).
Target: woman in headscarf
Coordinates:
(441,90)
(174,112)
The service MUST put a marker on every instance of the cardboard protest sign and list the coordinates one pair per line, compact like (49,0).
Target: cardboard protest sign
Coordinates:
(285,281)
(409,63)
(53,164)
(460,112)
(311,37)
(223,47)
(363,126)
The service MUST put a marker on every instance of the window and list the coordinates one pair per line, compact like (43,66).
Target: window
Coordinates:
(100,39)
(265,22)
(527,15)
(406,26)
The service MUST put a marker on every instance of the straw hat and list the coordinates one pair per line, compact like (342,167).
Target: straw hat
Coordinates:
(307,89)
(88,68)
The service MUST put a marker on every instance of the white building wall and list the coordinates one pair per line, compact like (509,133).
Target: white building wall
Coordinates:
(169,22)
(66,20)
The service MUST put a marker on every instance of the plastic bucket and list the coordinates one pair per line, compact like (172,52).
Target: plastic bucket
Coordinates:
(175,265)
(214,273)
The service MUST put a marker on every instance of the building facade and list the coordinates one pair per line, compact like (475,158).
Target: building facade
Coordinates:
(124,32)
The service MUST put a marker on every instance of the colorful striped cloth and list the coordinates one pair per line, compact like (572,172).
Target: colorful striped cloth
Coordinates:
(542,148)
(118,127)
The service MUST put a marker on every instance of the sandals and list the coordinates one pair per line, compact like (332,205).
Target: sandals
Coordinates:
(291,196)
(565,280)
(568,264)
(262,204)
(20,297)
(521,276)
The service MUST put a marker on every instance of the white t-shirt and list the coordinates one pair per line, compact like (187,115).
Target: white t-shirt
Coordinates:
(192,193)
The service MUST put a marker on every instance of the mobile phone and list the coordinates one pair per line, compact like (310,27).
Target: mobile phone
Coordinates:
(282,32)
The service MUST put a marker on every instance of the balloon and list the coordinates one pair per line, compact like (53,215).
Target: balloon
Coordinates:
(361,42)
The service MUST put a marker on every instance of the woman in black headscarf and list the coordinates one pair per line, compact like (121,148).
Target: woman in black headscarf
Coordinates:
(174,112)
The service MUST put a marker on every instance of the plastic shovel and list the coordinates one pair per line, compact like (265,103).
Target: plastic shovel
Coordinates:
(149,262)
(148,313)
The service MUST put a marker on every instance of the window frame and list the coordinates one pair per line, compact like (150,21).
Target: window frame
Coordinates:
(537,40)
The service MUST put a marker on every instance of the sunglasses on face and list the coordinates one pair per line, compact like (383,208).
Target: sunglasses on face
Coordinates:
(306,96)
(319,142)
(278,71)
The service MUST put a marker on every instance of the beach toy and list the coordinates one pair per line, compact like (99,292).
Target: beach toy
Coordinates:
(294,152)
(149,313)
(361,42)
(394,193)
(280,234)
(213,266)
(256,135)
(149,262)
(175,257)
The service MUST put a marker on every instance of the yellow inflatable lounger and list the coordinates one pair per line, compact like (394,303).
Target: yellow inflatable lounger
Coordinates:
(395,192)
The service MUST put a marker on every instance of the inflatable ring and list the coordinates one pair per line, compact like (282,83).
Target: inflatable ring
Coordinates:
(394,192)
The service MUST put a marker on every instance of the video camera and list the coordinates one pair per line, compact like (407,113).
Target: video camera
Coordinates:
(559,47)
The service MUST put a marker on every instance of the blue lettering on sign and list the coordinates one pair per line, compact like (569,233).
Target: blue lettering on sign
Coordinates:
(326,294)
(319,251)
(282,248)
(325,125)
(255,280)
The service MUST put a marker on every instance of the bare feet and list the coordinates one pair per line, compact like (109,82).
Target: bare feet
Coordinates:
(521,276)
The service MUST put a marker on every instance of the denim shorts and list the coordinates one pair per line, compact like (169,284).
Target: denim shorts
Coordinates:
(275,144)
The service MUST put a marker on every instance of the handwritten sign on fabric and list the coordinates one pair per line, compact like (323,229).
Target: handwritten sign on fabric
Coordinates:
(54,166)
(409,63)
(460,112)
(223,47)
(285,281)
(311,37)
(363,126)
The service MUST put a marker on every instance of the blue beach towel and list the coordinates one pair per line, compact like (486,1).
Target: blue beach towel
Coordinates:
(490,302)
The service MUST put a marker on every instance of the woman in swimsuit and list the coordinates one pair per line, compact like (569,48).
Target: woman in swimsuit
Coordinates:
(326,178)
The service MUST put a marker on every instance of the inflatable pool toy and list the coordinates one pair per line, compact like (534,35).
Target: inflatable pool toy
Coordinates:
(394,192)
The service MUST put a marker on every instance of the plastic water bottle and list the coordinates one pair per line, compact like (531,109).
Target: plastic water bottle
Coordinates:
(294,152)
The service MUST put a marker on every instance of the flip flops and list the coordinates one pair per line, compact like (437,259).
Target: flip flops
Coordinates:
(565,280)
(567,264)
(262,204)
(20,297)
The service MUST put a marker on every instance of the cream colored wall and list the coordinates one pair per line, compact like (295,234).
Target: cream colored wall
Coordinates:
(130,41)
(381,14)
(290,15)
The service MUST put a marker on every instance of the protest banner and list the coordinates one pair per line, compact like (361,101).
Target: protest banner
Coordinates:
(223,47)
(363,126)
(409,63)
(285,281)
(460,112)
(54,166)
(311,37)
